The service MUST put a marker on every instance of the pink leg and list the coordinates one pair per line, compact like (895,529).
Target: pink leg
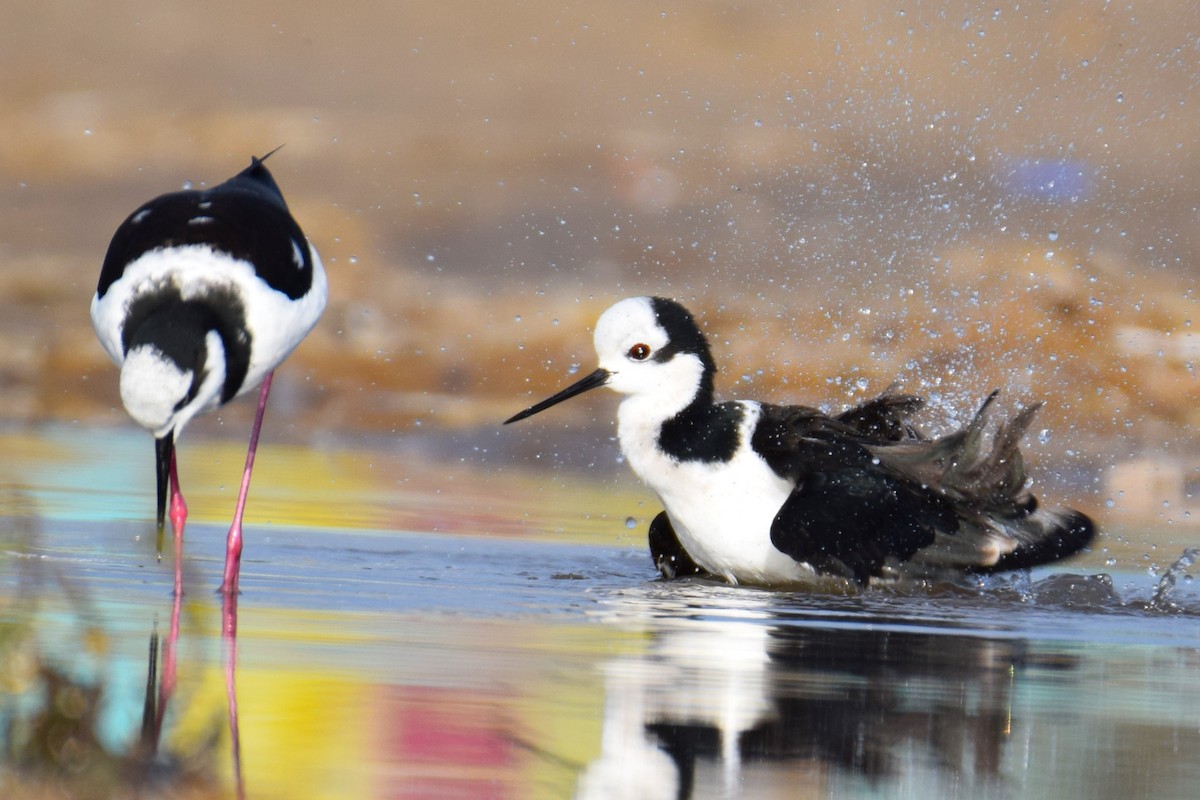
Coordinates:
(178,514)
(233,547)
(229,587)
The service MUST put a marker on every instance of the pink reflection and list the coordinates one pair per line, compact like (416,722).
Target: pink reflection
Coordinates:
(446,753)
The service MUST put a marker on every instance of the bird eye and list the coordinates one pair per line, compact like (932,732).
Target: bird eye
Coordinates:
(639,352)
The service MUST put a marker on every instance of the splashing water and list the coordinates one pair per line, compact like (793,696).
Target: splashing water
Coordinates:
(1166,585)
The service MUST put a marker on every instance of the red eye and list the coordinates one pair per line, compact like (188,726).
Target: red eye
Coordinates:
(639,352)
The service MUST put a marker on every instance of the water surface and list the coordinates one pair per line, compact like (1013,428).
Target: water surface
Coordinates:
(510,640)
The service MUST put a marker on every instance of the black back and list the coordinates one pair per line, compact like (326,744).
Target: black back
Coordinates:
(244,217)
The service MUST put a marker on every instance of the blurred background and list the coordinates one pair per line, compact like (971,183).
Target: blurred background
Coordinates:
(953,197)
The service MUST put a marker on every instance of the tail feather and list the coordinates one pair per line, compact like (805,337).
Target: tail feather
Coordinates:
(1001,526)
(970,475)
(987,544)
(1045,536)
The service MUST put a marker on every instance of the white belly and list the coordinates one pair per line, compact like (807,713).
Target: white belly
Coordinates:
(721,512)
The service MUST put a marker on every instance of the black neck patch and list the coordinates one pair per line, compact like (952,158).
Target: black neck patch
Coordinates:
(245,217)
(703,432)
(178,328)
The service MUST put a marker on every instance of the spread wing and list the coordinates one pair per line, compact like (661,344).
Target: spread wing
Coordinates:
(874,494)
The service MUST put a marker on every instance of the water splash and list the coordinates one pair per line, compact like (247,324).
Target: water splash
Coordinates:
(1163,594)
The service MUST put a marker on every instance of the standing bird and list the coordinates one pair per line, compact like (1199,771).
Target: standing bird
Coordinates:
(773,495)
(203,293)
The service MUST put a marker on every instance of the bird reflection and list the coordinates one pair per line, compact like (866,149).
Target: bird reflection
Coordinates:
(160,684)
(229,601)
(767,707)
(150,722)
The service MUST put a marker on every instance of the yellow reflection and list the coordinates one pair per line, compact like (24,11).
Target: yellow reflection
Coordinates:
(516,714)
(109,474)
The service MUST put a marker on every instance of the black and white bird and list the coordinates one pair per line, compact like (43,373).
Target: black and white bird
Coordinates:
(763,494)
(203,293)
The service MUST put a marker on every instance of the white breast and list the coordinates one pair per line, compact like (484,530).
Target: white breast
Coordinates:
(722,511)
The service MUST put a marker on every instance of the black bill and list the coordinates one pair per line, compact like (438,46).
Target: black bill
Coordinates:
(597,378)
(164,451)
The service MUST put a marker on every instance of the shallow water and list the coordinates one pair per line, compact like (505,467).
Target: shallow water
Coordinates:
(470,635)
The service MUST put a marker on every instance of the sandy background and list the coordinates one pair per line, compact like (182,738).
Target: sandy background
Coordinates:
(955,198)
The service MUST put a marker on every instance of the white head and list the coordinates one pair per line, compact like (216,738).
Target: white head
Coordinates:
(651,349)
(162,392)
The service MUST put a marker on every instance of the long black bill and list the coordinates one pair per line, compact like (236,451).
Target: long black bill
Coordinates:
(597,378)
(164,449)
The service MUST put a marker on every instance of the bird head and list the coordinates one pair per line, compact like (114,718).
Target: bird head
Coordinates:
(648,347)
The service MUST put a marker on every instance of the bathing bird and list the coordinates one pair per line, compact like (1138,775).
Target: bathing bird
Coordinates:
(202,294)
(763,494)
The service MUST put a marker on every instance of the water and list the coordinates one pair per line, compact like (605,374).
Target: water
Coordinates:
(501,635)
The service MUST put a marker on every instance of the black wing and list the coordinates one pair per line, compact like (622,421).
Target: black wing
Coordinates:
(850,512)
(244,217)
(795,440)
(886,418)
(852,521)
(873,492)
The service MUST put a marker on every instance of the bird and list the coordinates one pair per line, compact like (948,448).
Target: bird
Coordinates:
(775,495)
(202,294)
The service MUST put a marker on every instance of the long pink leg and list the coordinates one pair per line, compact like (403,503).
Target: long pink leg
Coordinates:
(178,513)
(233,546)
(233,558)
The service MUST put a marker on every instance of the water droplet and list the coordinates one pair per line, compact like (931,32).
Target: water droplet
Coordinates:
(1044,435)
(630,523)
(1052,236)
